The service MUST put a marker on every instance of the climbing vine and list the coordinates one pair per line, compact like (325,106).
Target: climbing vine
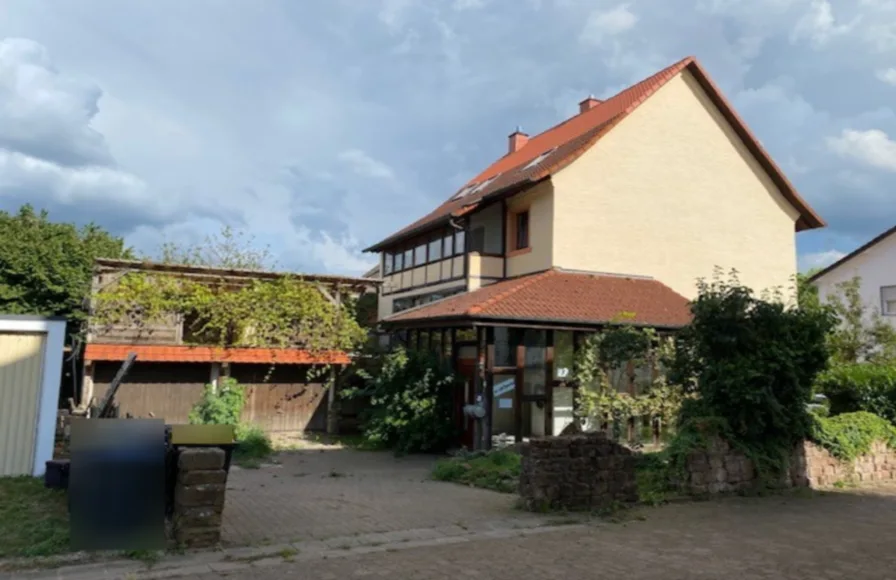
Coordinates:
(606,368)
(285,312)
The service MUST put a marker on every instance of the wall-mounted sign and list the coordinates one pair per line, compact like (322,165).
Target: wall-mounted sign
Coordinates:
(504,387)
(562,372)
(505,403)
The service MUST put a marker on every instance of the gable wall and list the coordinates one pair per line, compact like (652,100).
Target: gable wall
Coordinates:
(876,266)
(671,192)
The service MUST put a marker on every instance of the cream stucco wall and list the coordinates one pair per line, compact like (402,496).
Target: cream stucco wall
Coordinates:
(540,202)
(671,192)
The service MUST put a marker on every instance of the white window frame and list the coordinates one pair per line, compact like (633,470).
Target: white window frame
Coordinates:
(887,294)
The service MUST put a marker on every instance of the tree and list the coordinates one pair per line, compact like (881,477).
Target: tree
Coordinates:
(46,267)
(861,334)
(228,249)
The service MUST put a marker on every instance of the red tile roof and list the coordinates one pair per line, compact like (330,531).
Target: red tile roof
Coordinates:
(562,296)
(548,152)
(207,354)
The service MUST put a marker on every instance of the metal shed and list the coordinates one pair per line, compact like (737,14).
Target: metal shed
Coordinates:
(31,349)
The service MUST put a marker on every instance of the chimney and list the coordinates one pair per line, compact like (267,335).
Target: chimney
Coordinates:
(588,104)
(517,140)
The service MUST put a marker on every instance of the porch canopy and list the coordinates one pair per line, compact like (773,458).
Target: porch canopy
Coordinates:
(513,342)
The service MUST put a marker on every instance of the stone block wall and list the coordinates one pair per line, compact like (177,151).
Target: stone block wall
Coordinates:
(720,469)
(821,469)
(199,497)
(576,472)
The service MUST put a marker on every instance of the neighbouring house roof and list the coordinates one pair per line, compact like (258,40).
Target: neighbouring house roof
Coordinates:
(854,253)
(550,151)
(209,354)
(106,264)
(561,296)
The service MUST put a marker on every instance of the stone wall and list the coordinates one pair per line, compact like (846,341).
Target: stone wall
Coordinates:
(199,497)
(821,469)
(720,469)
(576,472)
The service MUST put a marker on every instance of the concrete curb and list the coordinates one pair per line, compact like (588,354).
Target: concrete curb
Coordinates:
(235,559)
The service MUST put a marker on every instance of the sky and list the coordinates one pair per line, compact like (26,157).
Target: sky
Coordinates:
(322,126)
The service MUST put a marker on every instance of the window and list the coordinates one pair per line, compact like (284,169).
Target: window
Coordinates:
(888,300)
(408,259)
(521,231)
(534,373)
(398,262)
(420,255)
(477,240)
(459,239)
(448,246)
(563,354)
(435,250)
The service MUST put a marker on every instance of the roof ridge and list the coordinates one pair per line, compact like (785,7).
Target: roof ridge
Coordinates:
(530,279)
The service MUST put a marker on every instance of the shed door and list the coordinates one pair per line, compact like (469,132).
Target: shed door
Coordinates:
(21,366)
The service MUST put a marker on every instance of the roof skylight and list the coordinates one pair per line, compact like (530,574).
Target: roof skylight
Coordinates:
(538,159)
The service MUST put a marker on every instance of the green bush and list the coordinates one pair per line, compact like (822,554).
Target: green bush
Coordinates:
(411,403)
(495,470)
(253,445)
(221,405)
(850,435)
(860,387)
(752,363)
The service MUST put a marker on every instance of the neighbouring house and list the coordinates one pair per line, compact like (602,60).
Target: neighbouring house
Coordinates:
(614,214)
(172,366)
(31,350)
(875,264)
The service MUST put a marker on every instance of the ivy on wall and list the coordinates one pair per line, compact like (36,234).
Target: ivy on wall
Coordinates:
(286,312)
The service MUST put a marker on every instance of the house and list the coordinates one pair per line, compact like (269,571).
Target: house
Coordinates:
(172,367)
(875,264)
(613,213)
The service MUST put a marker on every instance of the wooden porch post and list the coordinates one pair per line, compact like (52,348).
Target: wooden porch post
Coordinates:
(549,384)
(489,384)
(576,344)
(518,392)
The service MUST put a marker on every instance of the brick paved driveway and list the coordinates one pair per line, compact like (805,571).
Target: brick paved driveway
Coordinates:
(844,535)
(336,493)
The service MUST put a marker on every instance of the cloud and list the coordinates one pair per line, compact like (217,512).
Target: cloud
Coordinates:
(321,128)
(872,147)
(887,75)
(819,259)
(606,23)
(819,26)
(44,114)
(365,165)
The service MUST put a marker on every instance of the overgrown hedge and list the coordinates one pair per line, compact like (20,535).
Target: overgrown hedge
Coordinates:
(860,387)
(850,435)
(411,396)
